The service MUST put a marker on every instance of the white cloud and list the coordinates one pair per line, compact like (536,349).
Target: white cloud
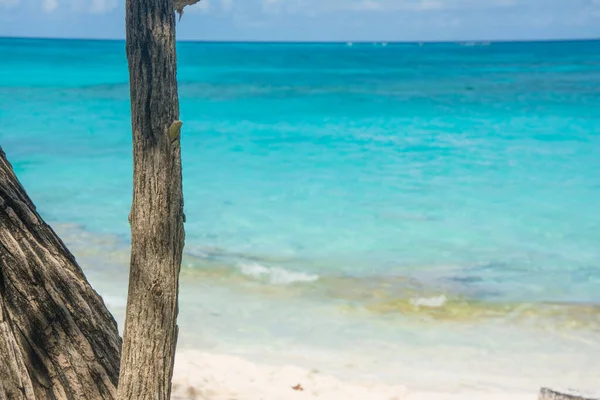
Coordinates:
(428,5)
(102,6)
(49,5)
(370,5)
(203,6)
(80,6)
(9,3)
(295,6)
(206,6)
(594,8)
(380,5)
(227,5)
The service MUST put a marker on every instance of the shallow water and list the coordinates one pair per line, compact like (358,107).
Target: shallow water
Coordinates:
(431,206)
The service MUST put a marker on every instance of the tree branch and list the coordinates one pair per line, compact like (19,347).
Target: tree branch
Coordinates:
(179,5)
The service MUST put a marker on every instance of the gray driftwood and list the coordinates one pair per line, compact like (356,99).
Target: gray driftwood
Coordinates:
(57,339)
(157,234)
(547,394)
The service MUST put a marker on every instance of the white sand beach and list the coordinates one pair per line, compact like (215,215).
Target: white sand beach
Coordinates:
(219,377)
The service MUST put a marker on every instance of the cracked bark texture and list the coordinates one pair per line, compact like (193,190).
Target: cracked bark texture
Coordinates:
(57,339)
(157,234)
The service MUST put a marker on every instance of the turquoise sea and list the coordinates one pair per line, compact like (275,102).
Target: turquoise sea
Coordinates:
(431,210)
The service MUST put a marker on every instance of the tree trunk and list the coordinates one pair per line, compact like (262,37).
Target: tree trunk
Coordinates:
(57,339)
(156,218)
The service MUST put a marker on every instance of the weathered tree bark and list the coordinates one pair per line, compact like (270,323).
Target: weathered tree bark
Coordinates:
(157,234)
(57,339)
(547,394)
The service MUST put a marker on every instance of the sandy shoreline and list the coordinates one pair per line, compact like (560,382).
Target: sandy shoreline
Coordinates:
(242,340)
(207,376)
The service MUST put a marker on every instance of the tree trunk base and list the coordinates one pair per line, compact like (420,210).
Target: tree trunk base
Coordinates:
(57,339)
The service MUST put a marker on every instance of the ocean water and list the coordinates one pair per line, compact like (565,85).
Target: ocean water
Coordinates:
(428,207)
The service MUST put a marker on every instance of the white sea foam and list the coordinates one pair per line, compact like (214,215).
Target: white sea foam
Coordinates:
(275,275)
(431,302)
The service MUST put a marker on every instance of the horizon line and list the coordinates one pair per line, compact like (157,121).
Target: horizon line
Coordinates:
(442,41)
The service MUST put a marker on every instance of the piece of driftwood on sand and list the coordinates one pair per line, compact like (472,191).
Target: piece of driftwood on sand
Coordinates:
(548,394)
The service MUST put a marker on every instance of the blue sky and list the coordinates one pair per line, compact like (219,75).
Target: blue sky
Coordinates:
(309,20)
